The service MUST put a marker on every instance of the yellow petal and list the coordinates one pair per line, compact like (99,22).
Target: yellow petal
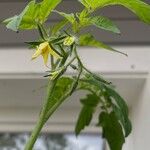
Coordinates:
(41,49)
(45,57)
(37,53)
(53,53)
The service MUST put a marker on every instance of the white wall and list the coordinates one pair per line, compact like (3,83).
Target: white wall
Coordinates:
(19,111)
(141,119)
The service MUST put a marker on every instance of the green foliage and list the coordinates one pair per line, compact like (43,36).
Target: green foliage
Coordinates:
(61,89)
(63,39)
(33,13)
(110,101)
(89,40)
(112,130)
(141,9)
(57,27)
(13,23)
(121,110)
(70,17)
(100,22)
(89,104)
(104,23)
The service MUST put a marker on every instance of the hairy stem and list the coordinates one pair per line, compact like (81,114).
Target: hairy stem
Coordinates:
(35,133)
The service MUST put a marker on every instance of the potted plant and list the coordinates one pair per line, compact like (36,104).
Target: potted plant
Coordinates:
(59,48)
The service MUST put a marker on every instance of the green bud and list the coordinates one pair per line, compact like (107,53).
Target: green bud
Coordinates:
(69,40)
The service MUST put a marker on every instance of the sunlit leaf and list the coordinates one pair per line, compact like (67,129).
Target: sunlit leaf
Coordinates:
(70,17)
(57,27)
(141,9)
(13,23)
(100,22)
(32,14)
(104,23)
(89,40)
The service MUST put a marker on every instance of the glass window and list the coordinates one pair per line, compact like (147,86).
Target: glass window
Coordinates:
(48,141)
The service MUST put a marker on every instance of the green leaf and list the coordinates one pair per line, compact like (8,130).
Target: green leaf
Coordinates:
(141,9)
(112,130)
(121,110)
(70,17)
(85,116)
(46,7)
(91,100)
(124,120)
(61,89)
(13,23)
(96,77)
(118,104)
(84,119)
(89,40)
(100,22)
(104,23)
(33,13)
(59,26)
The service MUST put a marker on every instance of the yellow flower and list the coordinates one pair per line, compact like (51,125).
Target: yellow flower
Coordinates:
(44,49)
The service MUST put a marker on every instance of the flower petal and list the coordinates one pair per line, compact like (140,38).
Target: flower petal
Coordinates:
(41,49)
(45,57)
(37,53)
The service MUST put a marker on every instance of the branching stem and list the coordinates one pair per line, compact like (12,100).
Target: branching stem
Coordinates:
(41,122)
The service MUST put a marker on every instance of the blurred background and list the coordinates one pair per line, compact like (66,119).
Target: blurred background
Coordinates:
(22,84)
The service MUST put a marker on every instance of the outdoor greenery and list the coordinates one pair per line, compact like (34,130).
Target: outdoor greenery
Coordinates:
(58,46)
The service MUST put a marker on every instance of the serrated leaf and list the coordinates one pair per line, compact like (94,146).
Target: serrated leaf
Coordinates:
(84,119)
(70,17)
(89,40)
(121,110)
(100,22)
(59,26)
(141,9)
(46,7)
(13,23)
(33,13)
(85,116)
(118,104)
(104,23)
(112,130)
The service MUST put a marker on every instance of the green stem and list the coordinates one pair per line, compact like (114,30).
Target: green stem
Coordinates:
(41,122)
(52,62)
(52,110)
